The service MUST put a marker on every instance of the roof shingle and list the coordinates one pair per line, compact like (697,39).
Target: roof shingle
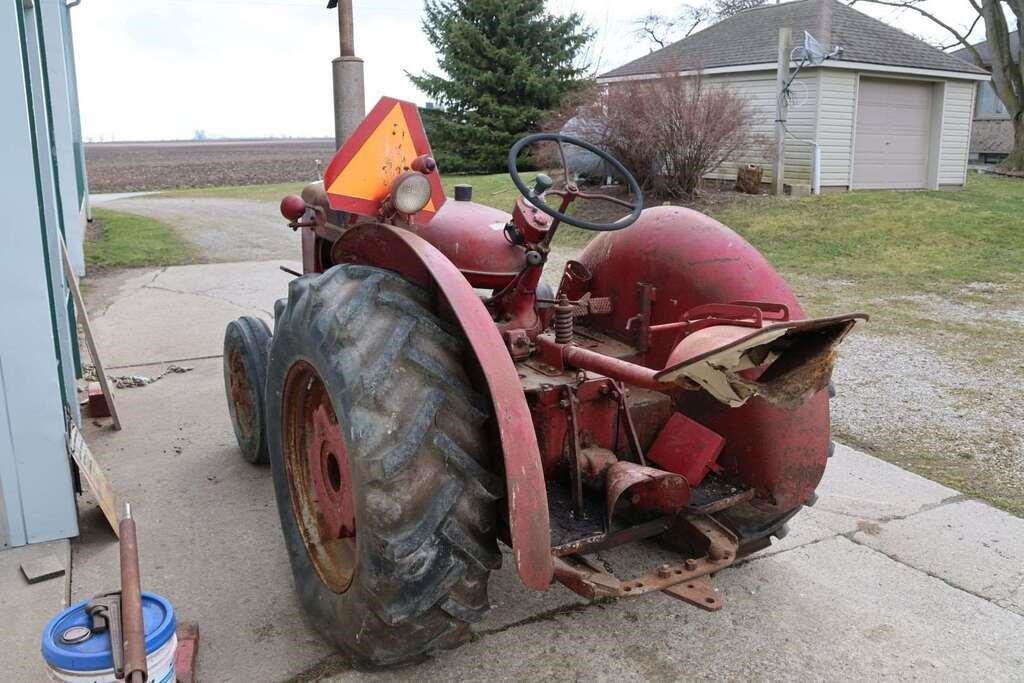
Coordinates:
(983,49)
(751,37)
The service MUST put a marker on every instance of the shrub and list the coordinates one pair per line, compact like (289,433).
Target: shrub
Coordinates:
(672,131)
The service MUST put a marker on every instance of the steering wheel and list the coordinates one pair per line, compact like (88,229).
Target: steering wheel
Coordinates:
(571,192)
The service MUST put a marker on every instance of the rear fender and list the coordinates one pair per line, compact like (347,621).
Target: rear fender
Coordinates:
(420,262)
(686,260)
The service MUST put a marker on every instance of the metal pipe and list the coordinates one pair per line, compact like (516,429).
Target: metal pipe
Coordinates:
(347,75)
(346,29)
(816,168)
(133,629)
(622,370)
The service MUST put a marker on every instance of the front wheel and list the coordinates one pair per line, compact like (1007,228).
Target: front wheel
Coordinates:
(246,347)
(380,457)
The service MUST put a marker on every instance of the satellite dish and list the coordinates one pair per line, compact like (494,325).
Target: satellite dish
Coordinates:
(812,50)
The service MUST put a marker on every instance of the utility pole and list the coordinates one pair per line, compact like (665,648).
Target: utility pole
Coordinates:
(349,100)
(781,110)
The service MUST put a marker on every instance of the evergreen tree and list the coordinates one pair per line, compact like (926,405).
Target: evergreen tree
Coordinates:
(505,63)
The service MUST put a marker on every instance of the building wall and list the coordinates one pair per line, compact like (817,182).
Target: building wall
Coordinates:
(836,122)
(758,89)
(992,136)
(825,110)
(37,371)
(954,142)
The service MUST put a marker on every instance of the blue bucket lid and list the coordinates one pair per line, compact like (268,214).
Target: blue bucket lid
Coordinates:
(94,653)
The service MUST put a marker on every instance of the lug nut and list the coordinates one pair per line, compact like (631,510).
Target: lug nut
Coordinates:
(690,564)
(664,571)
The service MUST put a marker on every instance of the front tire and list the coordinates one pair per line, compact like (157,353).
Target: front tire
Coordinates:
(246,349)
(381,460)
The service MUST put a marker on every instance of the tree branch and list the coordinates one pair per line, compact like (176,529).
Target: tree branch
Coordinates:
(962,39)
(1006,72)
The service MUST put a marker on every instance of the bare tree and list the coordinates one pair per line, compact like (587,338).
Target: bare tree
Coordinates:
(661,30)
(1007,77)
(672,131)
(727,8)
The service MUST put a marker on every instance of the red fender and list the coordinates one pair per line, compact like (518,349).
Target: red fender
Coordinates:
(420,262)
(690,259)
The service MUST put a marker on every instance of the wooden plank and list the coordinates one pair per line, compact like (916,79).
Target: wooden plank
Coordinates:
(83,318)
(93,474)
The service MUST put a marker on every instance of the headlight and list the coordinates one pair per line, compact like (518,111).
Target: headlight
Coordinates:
(411,192)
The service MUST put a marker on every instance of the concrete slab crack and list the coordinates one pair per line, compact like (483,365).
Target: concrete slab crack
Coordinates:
(952,584)
(958,498)
(202,293)
(100,311)
(546,615)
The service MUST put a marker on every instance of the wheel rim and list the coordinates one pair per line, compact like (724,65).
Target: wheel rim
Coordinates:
(319,477)
(241,393)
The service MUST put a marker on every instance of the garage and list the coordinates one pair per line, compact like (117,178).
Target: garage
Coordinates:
(893,134)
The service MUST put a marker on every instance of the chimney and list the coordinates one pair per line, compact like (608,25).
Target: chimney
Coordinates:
(823,31)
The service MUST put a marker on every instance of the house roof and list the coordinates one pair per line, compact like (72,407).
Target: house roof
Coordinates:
(752,37)
(986,54)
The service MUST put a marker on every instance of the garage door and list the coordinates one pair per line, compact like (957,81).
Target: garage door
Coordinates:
(893,134)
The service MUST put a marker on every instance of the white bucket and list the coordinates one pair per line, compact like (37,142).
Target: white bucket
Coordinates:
(160,665)
(74,654)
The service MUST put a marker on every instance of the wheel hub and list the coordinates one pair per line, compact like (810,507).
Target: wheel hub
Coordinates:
(241,393)
(319,476)
(328,462)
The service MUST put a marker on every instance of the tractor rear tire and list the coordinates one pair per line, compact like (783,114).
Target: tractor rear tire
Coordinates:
(756,529)
(246,349)
(408,572)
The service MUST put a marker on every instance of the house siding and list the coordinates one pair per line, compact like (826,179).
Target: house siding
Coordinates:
(837,110)
(758,89)
(954,144)
(825,111)
(37,381)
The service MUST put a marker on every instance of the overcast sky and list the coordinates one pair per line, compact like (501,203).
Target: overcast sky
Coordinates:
(163,69)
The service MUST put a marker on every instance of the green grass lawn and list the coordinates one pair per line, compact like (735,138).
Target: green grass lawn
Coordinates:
(126,240)
(916,239)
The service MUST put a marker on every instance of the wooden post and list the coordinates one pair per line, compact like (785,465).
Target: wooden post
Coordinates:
(781,110)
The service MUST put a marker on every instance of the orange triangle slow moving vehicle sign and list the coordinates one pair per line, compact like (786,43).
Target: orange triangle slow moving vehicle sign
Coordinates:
(359,177)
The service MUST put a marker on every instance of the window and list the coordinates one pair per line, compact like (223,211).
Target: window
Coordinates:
(989,104)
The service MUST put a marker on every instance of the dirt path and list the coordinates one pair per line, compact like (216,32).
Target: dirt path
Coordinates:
(224,230)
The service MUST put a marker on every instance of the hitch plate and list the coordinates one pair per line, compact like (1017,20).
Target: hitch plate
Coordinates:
(688,579)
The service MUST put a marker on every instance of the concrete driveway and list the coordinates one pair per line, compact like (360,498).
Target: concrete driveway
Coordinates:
(889,576)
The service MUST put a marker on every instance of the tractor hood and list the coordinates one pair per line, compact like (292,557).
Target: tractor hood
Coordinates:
(472,236)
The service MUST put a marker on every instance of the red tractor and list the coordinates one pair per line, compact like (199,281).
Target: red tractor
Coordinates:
(426,395)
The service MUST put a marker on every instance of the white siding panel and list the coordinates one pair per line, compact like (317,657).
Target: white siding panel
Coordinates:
(835,125)
(957,115)
(758,89)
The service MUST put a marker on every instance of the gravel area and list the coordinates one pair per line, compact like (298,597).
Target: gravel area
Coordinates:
(932,382)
